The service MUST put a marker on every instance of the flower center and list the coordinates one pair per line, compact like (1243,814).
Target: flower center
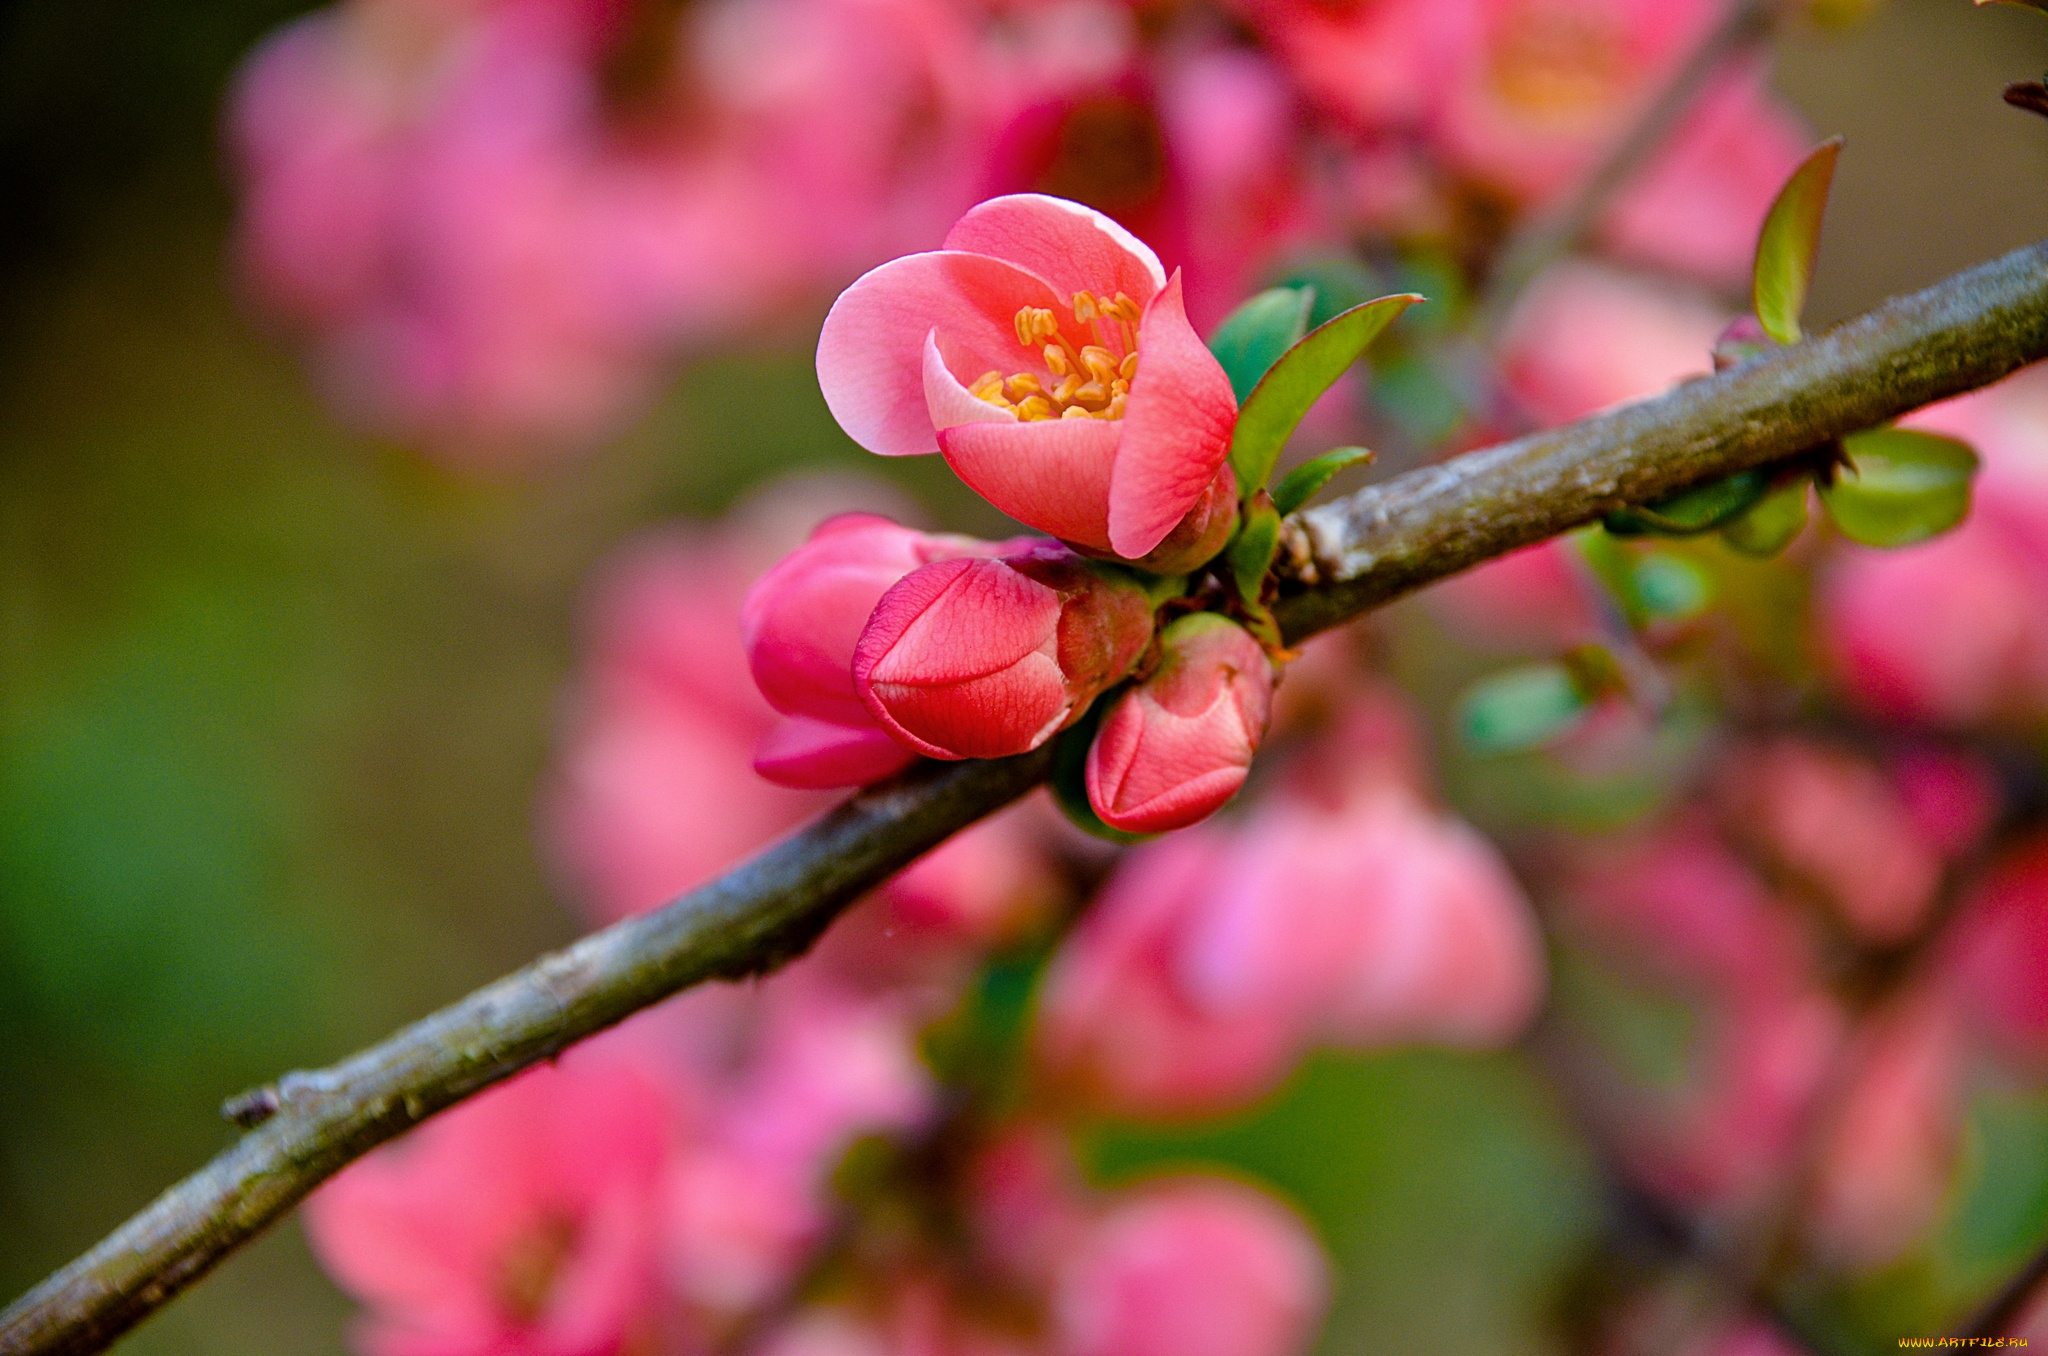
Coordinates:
(1555,62)
(1091,383)
(528,1269)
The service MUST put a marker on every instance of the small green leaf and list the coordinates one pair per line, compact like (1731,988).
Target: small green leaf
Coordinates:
(1771,523)
(1790,239)
(1300,485)
(1668,588)
(1256,333)
(1901,486)
(1519,709)
(1294,382)
(1690,512)
(1252,550)
(1070,773)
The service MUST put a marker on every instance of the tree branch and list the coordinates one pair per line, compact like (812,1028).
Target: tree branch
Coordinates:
(1350,555)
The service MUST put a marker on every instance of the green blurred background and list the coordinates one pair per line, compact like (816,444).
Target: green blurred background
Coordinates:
(275,700)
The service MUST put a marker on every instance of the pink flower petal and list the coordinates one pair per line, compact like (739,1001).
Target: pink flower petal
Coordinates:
(1053,474)
(1177,428)
(871,350)
(816,754)
(1074,248)
(948,402)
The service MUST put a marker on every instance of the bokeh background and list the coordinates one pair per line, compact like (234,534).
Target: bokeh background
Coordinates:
(276,698)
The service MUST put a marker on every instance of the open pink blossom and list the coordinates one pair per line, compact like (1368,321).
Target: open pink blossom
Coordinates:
(1174,749)
(1192,1266)
(1046,353)
(979,658)
(524,1221)
(801,625)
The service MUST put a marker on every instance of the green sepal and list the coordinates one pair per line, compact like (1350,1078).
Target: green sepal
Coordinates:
(1789,242)
(1070,773)
(1691,512)
(1254,335)
(1771,523)
(1521,708)
(1251,552)
(1295,381)
(1301,484)
(1900,486)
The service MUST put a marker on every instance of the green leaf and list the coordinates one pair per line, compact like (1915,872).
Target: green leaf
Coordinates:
(1519,709)
(1901,486)
(1258,332)
(1790,239)
(1771,523)
(1300,485)
(1667,588)
(1294,382)
(1252,550)
(1070,773)
(1420,397)
(1690,512)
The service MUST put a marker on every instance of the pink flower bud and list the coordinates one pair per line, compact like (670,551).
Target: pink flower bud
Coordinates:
(1179,745)
(977,658)
(1192,1267)
(800,624)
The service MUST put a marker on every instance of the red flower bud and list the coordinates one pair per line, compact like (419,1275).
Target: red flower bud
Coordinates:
(977,658)
(1178,746)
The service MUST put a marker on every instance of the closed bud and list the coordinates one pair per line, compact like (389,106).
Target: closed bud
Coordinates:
(800,624)
(980,658)
(1178,746)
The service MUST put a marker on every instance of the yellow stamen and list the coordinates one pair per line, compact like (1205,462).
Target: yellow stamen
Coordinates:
(1075,412)
(1093,393)
(1032,408)
(1056,360)
(986,385)
(1129,368)
(1086,307)
(1100,362)
(1064,392)
(1091,383)
(1021,385)
(1116,407)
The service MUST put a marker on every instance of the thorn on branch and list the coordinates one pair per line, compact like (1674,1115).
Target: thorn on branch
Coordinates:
(250,1109)
(2031,95)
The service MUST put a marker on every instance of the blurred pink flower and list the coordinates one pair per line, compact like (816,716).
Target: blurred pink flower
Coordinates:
(2001,955)
(1178,746)
(981,658)
(1699,205)
(497,221)
(1192,1267)
(1115,1024)
(1587,337)
(1378,64)
(1675,908)
(1537,600)
(1837,821)
(1370,921)
(521,1223)
(1884,1171)
(918,356)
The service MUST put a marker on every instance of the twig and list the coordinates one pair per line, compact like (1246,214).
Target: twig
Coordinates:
(1960,334)
(1557,232)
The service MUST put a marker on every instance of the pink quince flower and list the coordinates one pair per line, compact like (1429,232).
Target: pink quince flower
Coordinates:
(1192,1266)
(980,658)
(1105,430)
(801,625)
(1117,1025)
(1375,920)
(522,1223)
(1180,744)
